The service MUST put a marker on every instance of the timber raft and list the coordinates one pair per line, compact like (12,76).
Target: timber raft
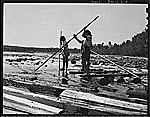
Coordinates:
(44,92)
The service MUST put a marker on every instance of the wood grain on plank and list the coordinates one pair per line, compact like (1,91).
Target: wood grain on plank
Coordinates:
(108,101)
(33,103)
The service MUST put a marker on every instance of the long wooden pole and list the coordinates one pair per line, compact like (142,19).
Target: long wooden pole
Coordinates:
(66,43)
(115,64)
(59,53)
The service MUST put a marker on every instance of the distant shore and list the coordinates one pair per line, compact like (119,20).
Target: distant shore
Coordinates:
(9,48)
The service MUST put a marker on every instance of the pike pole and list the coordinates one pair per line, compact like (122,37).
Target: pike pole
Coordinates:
(59,54)
(115,64)
(66,43)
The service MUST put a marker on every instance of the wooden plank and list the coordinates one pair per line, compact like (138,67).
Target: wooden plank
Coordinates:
(107,109)
(7,111)
(25,94)
(33,103)
(54,101)
(103,100)
(25,108)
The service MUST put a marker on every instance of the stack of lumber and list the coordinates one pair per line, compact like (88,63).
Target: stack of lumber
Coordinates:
(14,99)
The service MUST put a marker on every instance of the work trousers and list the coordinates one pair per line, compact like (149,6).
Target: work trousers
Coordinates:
(65,64)
(86,65)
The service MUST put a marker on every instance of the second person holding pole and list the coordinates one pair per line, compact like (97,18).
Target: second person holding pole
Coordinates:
(86,46)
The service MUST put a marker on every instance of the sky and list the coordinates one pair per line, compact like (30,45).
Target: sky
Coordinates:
(39,24)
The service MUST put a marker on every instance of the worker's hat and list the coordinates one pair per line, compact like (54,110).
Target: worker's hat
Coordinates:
(86,32)
(62,38)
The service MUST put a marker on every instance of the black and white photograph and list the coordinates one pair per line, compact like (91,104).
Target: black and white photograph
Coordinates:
(78,59)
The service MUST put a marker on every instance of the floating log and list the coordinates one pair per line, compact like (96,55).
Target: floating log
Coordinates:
(137,94)
(33,78)
(120,80)
(136,80)
(64,81)
(104,81)
(73,61)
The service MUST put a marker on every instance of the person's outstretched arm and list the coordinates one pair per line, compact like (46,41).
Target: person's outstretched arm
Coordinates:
(80,41)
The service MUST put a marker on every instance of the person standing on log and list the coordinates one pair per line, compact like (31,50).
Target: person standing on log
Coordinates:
(65,53)
(86,46)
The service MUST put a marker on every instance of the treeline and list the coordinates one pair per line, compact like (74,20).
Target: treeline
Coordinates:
(138,46)
(8,48)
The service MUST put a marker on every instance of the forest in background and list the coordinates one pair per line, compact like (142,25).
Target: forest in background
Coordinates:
(137,46)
